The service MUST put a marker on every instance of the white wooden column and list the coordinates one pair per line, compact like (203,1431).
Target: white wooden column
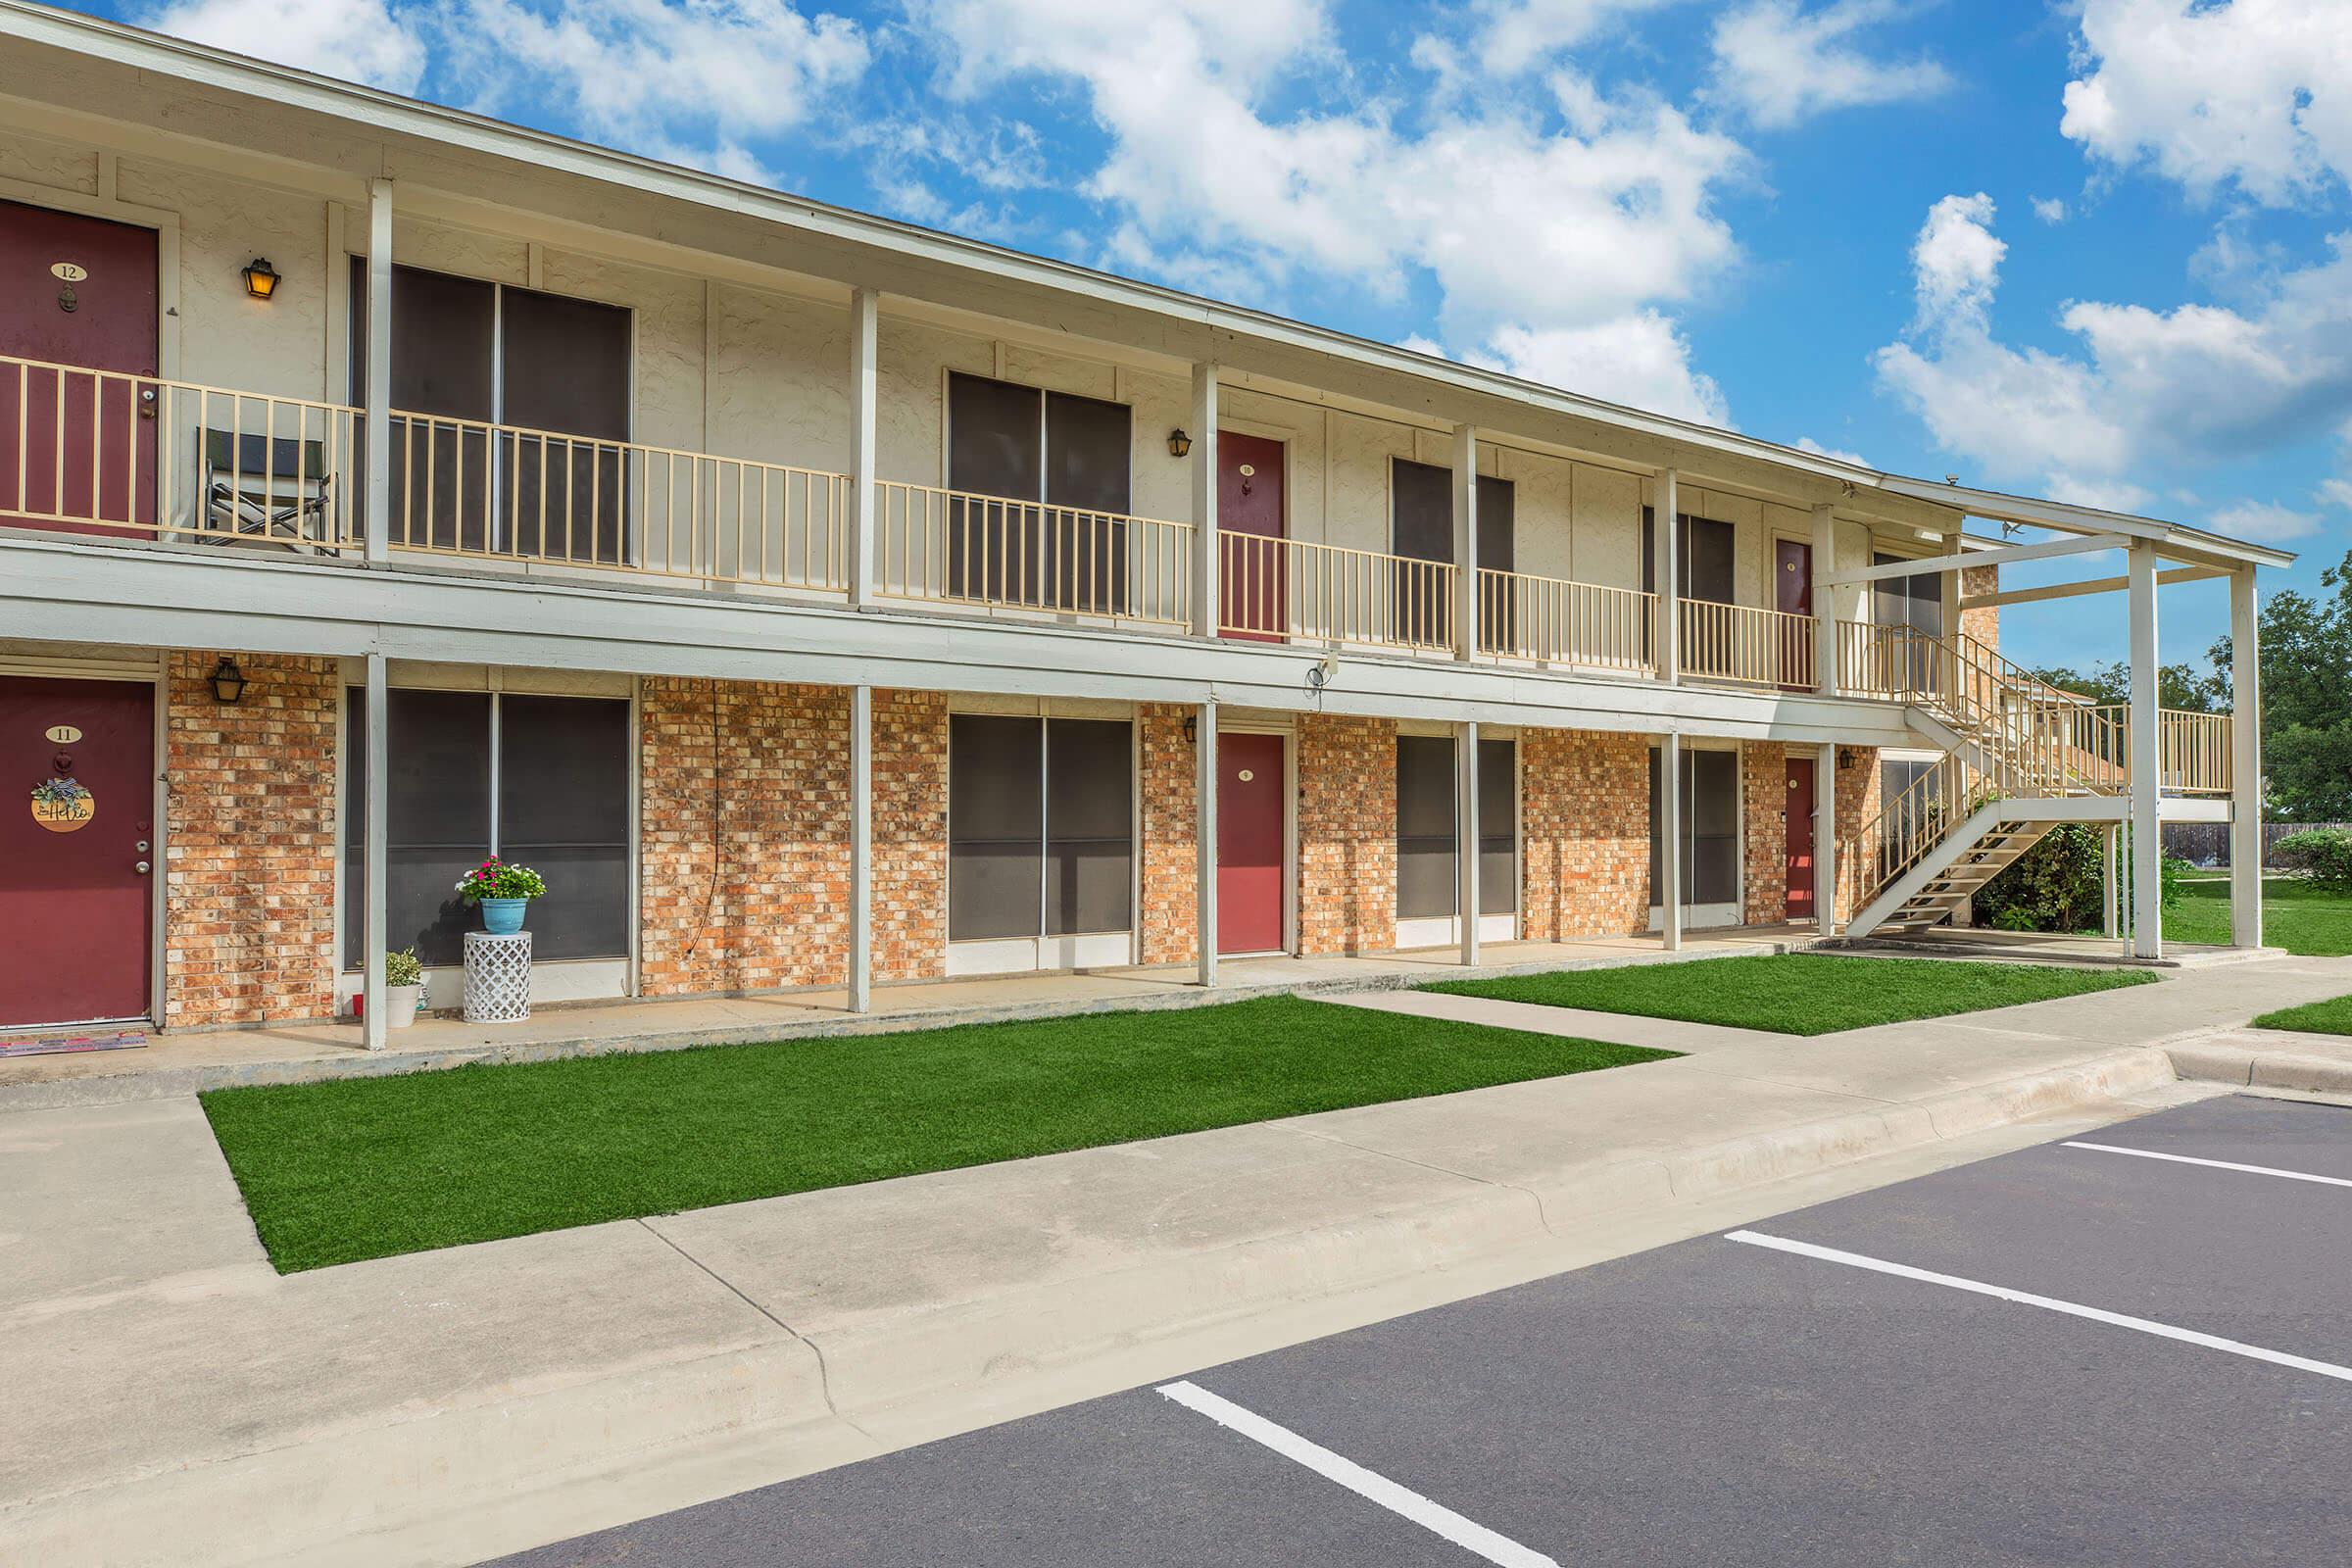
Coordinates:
(1825,840)
(1666,571)
(377,493)
(1670,841)
(1825,608)
(1465,542)
(863,522)
(2111,910)
(2245,762)
(374,919)
(2147,847)
(1205,840)
(1207,549)
(862,849)
(1465,837)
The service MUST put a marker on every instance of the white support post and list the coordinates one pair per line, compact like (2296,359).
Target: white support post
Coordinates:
(1205,840)
(375,917)
(2148,780)
(862,849)
(2111,921)
(1666,569)
(1670,841)
(1825,610)
(1465,542)
(2245,762)
(1825,841)
(1207,546)
(377,495)
(1465,838)
(865,316)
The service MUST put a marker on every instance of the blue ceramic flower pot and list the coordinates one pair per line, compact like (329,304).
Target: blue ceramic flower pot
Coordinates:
(502,917)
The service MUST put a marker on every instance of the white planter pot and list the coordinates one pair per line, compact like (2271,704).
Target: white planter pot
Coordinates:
(400,1006)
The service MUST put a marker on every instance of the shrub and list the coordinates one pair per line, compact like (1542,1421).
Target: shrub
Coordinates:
(2172,885)
(2054,886)
(2325,854)
(402,968)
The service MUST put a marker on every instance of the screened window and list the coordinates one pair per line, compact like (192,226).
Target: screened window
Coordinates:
(1915,600)
(1421,528)
(467,354)
(1426,881)
(1060,462)
(1710,806)
(539,780)
(1908,807)
(1041,826)
(1703,554)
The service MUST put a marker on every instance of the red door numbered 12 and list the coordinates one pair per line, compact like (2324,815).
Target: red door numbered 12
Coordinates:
(77,848)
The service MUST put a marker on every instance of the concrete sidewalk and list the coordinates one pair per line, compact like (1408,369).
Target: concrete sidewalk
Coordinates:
(172,1398)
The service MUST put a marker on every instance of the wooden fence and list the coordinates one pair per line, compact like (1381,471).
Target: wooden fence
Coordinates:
(2208,843)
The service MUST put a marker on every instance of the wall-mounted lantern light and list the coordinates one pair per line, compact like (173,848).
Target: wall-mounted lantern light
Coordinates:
(228,681)
(1192,729)
(1179,444)
(260,278)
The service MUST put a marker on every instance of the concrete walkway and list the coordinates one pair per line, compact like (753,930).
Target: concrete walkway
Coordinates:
(173,1398)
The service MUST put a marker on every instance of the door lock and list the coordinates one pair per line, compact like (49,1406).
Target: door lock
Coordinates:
(146,403)
(141,868)
(141,846)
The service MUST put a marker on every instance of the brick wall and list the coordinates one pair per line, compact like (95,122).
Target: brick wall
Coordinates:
(249,869)
(746,863)
(1857,805)
(1984,625)
(1171,908)
(1583,817)
(910,835)
(1347,834)
(1764,820)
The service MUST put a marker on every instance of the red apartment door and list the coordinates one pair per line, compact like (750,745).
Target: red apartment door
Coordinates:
(1249,489)
(76,452)
(1792,595)
(1250,857)
(1799,796)
(75,868)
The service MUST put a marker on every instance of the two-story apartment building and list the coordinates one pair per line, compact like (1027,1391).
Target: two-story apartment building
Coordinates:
(822,601)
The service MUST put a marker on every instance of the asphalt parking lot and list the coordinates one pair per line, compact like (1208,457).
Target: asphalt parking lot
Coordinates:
(2078,1353)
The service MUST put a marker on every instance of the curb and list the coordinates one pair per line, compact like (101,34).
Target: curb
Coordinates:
(809,1403)
(2267,1059)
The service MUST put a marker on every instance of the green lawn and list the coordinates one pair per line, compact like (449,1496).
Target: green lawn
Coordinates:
(1800,992)
(2294,918)
(334,1172)
(2330,1017)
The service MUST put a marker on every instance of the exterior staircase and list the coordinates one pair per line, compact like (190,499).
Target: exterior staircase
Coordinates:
(2013,745)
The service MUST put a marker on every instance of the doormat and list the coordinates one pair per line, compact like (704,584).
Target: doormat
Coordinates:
(50,1045)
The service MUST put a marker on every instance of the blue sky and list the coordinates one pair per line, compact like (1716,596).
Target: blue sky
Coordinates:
(2083,249)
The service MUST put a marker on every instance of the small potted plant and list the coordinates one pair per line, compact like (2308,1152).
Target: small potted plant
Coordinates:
(404,988)
(501,890)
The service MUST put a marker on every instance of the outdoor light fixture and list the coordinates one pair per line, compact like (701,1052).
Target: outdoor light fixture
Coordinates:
(228,681)
(261,282)
(1192,729)
(1179,444)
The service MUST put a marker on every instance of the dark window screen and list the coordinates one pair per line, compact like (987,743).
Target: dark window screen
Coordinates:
(996,810)
(1710,797)
(442,363)
(1497,819)
(1090,825)
(564,810)
(1906,813)
(995,447)
(437,829)
(1703,558)
(1421,528)
(1425,867)
(567,368)
(1088,443)
(1498,551)
(1916,601)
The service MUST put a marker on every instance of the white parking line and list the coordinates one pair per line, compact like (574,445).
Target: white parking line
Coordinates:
(2211,1342)
(2217,1165)
(1433,1517)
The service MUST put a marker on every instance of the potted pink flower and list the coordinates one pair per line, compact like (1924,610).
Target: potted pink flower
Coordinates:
(501,890)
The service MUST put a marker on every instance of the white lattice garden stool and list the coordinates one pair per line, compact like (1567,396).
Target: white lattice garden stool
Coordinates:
(498,977)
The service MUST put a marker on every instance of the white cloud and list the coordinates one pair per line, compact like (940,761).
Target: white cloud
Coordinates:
(696,83)
(2335,493)
(1512,37)
(2257,92)
(2265,520)
(1780,65)
(2146,390)
(356,40)
(1554,234)
(1805,443)
(2049,209)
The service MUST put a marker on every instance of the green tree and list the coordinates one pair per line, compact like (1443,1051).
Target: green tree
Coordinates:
(2306,699)
(2179,686)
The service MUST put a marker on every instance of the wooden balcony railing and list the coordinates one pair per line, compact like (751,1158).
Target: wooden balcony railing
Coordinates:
(99,452)
(1575,625)
(466,487)
(956,548)
(1747,646)
(2192,752)
(1289,588)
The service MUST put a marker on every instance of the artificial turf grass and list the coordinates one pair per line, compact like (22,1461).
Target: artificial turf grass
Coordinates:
(2296,917)
(1798,993)
(2330,1017)
(370,1167)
